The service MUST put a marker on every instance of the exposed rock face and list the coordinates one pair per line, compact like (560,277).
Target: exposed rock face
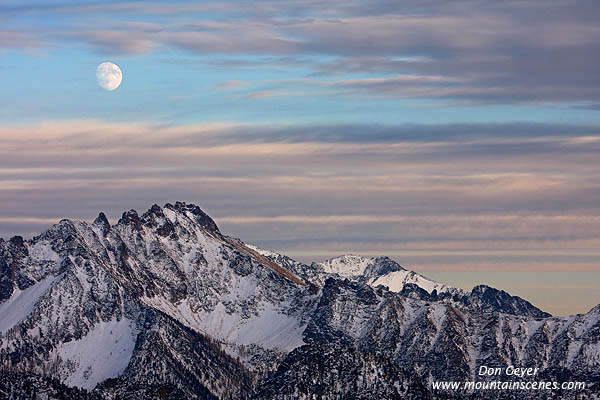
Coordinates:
(163,305)
(332,372)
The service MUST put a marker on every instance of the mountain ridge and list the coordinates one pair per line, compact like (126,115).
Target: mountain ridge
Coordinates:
(179,307)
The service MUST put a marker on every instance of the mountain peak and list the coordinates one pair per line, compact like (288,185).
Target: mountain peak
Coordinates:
(486,297)
(346,265)
(163,218)
(102,223)
(194,212)
(350,265)
(130,217)
(16,240)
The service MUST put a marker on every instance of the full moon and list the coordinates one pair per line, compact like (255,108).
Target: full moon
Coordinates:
(109,76)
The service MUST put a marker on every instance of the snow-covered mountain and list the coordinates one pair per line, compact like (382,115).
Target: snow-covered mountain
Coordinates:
(384,271)
(163,305)
(372,270)
(381,271)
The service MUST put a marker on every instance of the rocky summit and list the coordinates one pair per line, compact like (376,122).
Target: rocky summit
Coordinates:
(164,306)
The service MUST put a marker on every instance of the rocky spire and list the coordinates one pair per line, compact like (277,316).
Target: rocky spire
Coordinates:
(195,212)
(102,223)
(130,217)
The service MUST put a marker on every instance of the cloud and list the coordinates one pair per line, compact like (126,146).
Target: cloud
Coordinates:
(411,141)
(231,85)
(320,170)
(116,42)
(18,40)
(478,52)
(476,197)
(595,107)
(260,94)
(227,40)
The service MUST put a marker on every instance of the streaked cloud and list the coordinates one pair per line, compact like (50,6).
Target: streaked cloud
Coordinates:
(465,51)
(370,187)
(116,42)
(12,39)
(231,85)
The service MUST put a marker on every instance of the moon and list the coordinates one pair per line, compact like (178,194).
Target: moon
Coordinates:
(109,76)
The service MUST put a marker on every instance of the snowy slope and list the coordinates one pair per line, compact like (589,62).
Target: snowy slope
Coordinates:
(395,281)
(22,302)
(380,271)
(103,353)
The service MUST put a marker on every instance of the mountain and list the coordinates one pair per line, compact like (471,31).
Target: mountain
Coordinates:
(384,271)
(163,305)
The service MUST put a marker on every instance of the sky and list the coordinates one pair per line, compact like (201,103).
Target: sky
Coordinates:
(460,138)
